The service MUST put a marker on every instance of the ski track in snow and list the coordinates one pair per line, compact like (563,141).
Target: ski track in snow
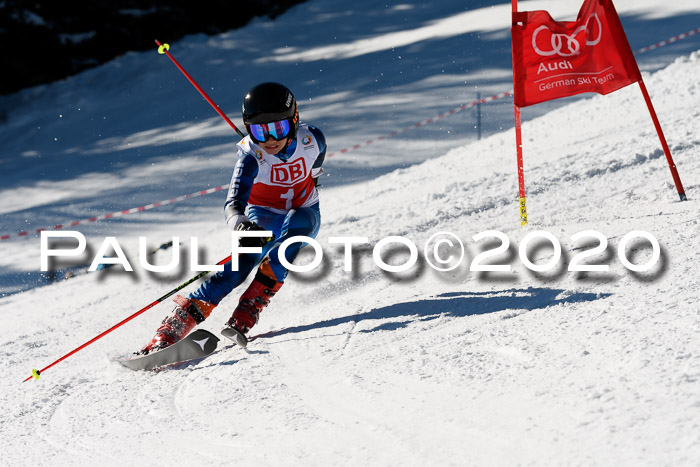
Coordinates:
(414,368)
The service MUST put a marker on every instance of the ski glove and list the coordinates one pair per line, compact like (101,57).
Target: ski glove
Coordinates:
(236,220)
(247,242)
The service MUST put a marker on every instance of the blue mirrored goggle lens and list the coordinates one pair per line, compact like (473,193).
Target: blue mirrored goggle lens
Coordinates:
(278,130)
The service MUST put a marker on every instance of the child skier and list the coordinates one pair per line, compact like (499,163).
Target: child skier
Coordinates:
(273,188)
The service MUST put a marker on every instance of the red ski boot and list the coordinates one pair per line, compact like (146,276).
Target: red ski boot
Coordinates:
(187,314)
(251,303)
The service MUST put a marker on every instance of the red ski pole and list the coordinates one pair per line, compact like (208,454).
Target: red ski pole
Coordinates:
(163,49)
(36,373)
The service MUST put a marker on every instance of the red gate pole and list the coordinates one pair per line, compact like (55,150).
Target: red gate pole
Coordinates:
(664,145)
(519,142)
(521,170)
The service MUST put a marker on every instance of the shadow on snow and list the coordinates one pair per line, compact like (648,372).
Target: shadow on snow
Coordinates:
(458,305)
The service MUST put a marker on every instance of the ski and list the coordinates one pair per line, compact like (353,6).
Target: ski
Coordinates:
(198,344)
(235,335)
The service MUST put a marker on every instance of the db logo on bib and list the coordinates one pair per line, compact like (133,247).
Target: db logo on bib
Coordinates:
(288,174)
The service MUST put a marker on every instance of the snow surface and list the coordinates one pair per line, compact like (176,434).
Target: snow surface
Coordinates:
(366,367)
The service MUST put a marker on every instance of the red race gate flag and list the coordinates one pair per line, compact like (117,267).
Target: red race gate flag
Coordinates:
(557,59)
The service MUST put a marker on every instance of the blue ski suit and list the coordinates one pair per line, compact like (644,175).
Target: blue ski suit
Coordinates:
(278,193)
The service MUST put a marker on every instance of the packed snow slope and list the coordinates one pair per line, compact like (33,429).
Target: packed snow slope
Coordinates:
(367,367)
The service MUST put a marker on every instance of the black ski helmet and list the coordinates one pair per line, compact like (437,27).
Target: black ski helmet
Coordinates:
(270,102)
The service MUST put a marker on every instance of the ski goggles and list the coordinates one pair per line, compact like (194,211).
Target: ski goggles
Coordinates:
(277,130)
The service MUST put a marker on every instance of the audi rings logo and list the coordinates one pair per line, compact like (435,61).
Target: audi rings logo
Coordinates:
(566,45)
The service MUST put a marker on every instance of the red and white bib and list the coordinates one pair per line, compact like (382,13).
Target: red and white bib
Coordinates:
(284,185)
